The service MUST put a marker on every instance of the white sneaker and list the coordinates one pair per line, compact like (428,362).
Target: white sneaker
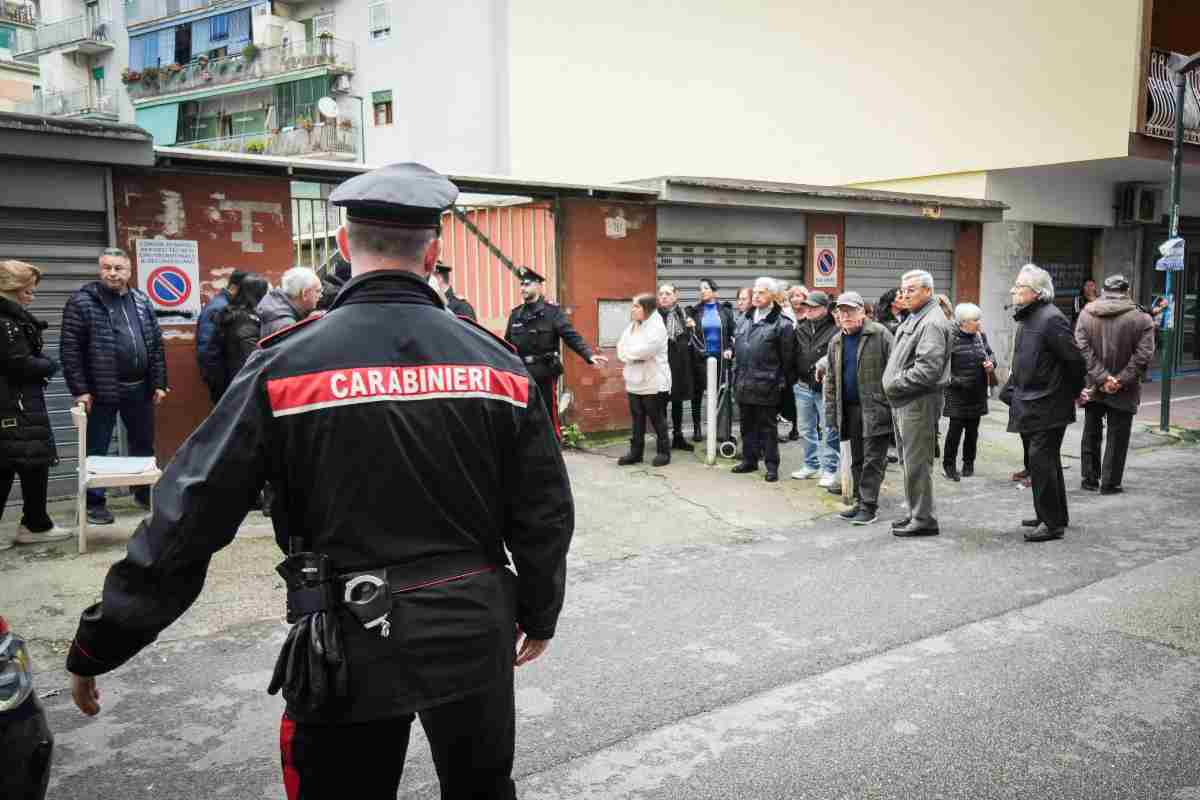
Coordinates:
(55,534)
(805,473)
(829,479)
(5,544)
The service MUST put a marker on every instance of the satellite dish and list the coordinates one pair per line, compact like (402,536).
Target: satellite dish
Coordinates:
(328,106)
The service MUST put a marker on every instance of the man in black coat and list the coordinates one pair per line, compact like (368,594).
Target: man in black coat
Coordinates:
(764,361)
(210,350)
(1047,375)
(458,305)
(399,585)
(535,329)
(113,361)
(679,356)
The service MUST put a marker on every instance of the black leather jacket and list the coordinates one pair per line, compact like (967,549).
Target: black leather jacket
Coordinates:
(350,417)
(535,330)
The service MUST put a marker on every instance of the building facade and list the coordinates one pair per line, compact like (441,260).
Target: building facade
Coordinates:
(18,79)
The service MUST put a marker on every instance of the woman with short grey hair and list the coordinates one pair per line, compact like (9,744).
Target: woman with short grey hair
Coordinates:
(972,365)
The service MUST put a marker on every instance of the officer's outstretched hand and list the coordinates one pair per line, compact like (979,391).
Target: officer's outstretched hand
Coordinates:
(598,361)
(529,649)
(85,694)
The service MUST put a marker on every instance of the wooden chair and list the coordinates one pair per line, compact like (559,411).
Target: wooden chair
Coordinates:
(103,472)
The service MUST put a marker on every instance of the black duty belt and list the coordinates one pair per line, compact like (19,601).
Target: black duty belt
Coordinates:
(540,357)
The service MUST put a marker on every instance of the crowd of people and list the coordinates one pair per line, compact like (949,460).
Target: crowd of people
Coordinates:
(884,376)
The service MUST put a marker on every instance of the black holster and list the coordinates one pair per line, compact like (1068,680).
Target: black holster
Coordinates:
(311,668)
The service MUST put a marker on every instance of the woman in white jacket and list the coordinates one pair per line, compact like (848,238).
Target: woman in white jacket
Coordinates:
(643,351)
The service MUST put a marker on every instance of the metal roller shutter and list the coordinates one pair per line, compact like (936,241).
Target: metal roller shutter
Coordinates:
(65,245)
(871,271)
(730,265)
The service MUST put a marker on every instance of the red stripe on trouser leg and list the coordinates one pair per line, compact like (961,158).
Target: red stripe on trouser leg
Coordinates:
(554,408)
(291,778)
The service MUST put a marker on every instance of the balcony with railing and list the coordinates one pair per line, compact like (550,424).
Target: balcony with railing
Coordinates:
(90,33)
(1161,108)
(86,103)
(18,13)
(326,54)
(334,142)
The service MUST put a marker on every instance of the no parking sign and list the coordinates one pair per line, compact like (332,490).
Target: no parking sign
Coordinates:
(825,260)
(169,274)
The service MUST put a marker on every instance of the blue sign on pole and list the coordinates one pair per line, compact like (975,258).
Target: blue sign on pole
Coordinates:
(1172,255)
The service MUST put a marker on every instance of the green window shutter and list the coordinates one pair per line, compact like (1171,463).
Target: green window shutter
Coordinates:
(7,35)
(161,121)
(98,74)
(381,97)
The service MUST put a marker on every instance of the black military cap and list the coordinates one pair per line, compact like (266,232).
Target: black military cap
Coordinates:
(529,275)
(445,269)
(1116,283)
(396,196)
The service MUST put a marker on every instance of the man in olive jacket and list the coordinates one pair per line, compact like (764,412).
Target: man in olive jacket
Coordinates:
(1117,341)
(854,401)
(917,371)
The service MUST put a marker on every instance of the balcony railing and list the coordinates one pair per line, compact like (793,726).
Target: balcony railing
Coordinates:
(91,32)
(333,54)
(72,103)
(20,13)
(329,140)
(139,11)
(1160,101)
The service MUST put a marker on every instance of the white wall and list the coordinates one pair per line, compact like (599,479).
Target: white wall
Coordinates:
(860,90)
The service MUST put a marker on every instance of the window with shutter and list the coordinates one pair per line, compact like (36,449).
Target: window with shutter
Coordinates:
(382,103)
(7,35)
(322,23)
(380,17)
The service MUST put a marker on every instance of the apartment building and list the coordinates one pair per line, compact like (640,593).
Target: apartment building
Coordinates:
(18,79)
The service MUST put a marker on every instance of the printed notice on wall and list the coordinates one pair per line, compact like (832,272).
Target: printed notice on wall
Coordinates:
(825,260)
(169,274)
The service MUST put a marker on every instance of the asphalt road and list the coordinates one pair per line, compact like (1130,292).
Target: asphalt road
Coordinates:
(724,637)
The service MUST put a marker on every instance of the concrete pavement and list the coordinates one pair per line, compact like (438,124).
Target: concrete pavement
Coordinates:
(724,637)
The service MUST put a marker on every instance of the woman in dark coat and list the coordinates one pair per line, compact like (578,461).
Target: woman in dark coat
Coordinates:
(241,327)
(679,354)
(966,398)
(712,324)
(27,446)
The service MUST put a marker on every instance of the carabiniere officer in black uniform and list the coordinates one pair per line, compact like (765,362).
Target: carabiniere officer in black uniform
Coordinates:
(400,595)
(535,329)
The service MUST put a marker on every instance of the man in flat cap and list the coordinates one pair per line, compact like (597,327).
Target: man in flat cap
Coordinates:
(535,329)
(1117,341)
(398,584)
(455,303)
(854,402)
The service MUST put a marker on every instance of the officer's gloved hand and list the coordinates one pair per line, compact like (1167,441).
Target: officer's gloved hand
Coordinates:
(311,669)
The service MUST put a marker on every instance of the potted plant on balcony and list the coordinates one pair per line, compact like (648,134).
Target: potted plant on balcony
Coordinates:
(306,123)
(256,147)
(346,125)
(250,52)
(150,76)
(325,47)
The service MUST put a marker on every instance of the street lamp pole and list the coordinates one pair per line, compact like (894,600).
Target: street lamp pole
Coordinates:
(1181,66)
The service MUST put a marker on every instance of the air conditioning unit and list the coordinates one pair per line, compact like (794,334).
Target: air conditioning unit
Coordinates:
(341,84)
(1138,204)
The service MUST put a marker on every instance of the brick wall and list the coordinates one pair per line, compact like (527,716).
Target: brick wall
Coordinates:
(241,224)
(596,267)
(968,261)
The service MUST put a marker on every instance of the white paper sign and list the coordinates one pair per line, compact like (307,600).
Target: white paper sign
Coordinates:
(825,260)
(169,274)
(615,227)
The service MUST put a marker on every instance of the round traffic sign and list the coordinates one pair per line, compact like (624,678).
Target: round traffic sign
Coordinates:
(825,262)
(169,286)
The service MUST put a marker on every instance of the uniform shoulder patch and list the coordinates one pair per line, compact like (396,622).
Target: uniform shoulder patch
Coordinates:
(507,344)
(278,336)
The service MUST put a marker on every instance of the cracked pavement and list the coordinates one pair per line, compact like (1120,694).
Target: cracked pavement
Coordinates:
(725,637)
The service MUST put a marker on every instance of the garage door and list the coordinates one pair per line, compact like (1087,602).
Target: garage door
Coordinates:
(64,244)
(871,271)
(1066,253)
(730,265)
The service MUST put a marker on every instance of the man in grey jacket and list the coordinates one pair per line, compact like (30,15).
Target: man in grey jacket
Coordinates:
(917,371)
(1117,341)
(297,296)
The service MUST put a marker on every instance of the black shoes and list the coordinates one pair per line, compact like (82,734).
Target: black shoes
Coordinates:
(1031,523)
(627,459)
(1044,534)
(850,513)
(1089,486)
(950,472)
(744,466)
(100,515)
(914,528)
(968,469)
(901,523)
(772,476)
(680,443)
(865,516)
(1111,490)
(661,460)
(696,437)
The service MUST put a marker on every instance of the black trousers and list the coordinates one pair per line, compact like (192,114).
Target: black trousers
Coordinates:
(471,740)
(968,431)
(34,481)
(644,407)
(760,435)
(1046,476)
(1107,473)
(549,390)
(868,457)
(676,413)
